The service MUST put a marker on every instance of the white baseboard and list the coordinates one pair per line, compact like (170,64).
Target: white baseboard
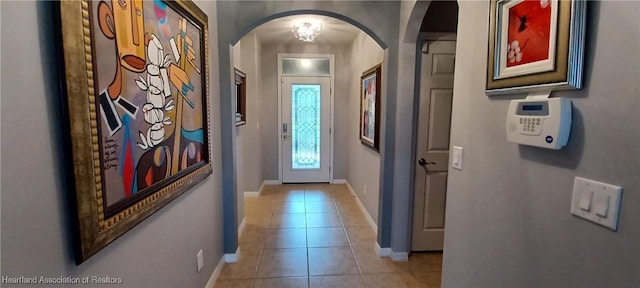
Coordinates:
(232,257)
(364,210)
(383,252)
(400,256)
(339,181)
(259,192)
(216,273)
(252,193)
(243,224)
(395,256)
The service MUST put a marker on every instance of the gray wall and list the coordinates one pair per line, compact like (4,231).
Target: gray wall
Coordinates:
(400,211)
(246,54)
(240,140)
(269,106)
(248,141)
(508,221)
(160,251)
(363,163)
(252,147)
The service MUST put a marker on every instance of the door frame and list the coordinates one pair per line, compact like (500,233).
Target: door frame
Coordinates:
(331,58)
(422,37)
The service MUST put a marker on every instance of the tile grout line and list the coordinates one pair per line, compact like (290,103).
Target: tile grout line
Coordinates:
(353,252)
(255,275)
(350,243)
(306,235)
(344,227)
(255,272)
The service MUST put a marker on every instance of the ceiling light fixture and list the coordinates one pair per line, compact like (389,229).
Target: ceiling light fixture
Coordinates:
(306,31)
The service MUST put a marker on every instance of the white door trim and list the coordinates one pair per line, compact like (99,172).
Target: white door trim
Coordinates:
(331,120)
(434,36)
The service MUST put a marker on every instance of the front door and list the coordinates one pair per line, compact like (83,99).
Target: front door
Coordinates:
(305,129)
(432,153)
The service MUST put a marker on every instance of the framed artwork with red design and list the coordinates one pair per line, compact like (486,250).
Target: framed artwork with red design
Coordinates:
(535,45)
(136,87)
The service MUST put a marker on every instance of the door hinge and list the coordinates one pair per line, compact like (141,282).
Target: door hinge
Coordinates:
(329,130)
(329,168)
(425,48)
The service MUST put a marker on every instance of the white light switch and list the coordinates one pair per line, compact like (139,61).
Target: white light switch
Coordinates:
(585,200)
(456,161)
(596,201)
(200,260)
(602,205)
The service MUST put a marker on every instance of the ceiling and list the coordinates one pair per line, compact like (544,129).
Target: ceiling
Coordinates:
(334,31)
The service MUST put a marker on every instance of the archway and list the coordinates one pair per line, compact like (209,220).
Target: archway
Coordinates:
(239,24)
(435,50)
(412,15)
(264,20)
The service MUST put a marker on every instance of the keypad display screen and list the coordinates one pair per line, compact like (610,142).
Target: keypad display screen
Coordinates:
(539,108)
(531,107)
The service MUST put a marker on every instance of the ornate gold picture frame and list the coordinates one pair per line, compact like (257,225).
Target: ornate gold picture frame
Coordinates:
(535,45)
(137,104)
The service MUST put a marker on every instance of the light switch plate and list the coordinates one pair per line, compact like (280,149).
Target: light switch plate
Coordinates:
(456,161)
(200,260)
(601,195)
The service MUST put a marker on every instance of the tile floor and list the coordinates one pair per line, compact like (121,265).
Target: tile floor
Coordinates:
(315,235)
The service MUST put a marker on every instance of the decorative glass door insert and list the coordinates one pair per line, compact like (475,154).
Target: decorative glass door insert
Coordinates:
(305,126)
(305,133)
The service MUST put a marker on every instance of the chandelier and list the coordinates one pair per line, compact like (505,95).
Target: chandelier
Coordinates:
(306,31)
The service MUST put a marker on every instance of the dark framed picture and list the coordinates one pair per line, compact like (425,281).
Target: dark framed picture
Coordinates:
(535,45)
(370,93)
(137,103)
(241,97)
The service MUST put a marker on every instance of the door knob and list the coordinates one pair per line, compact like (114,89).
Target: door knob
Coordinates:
(284,136)
(423,162)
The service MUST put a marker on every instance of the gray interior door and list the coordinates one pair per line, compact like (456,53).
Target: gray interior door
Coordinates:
(432,153)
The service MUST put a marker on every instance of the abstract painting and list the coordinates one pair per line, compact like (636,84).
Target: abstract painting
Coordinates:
(370,107)
(137,99)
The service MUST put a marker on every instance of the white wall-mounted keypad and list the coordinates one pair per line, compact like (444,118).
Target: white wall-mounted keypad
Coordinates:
(531,126)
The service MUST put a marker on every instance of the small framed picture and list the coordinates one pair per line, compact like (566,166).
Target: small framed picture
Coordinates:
(535,45)
(241,97)
(370,93)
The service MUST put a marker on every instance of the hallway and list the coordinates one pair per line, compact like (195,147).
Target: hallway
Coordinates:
(315,235)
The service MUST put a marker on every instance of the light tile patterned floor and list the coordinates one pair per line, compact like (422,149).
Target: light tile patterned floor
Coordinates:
(315,235)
